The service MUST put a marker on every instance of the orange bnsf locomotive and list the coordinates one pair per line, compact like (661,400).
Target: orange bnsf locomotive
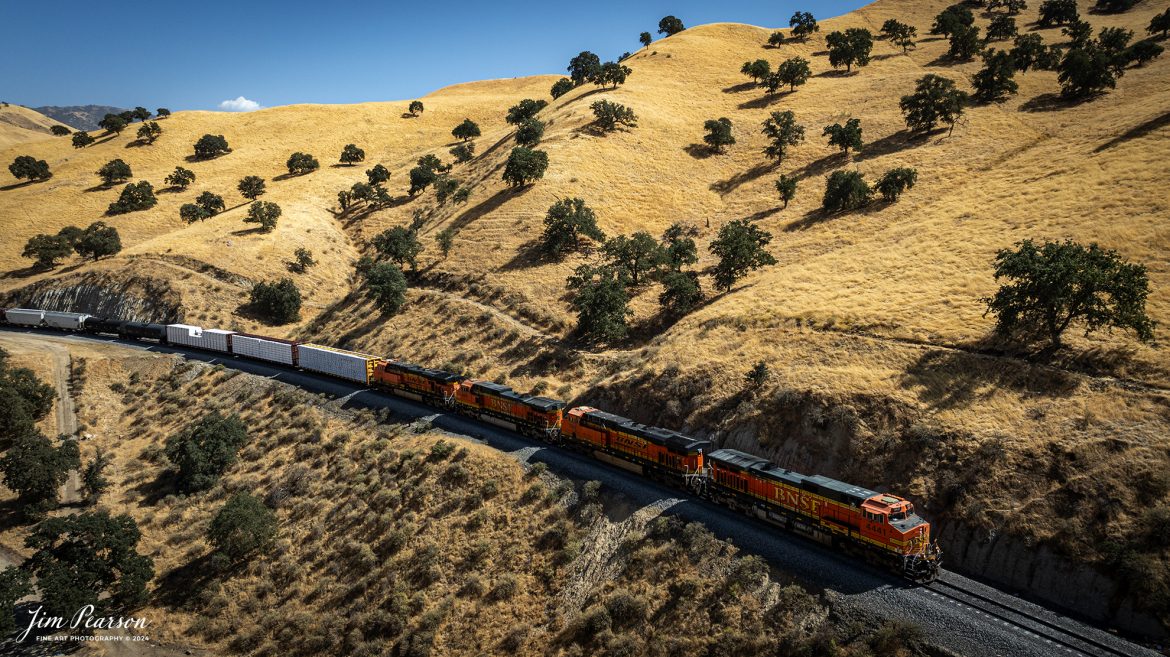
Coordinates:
(881,527)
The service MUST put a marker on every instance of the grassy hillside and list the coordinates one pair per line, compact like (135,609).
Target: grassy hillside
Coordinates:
(21,124)
(394,537)
(871,322)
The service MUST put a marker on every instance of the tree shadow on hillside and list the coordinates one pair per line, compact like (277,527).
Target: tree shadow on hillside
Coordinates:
(736,88)
(591,92)
(202,158)
(487,206)
(137,143)
(822,165)
(1138,131)
(887,55)
(530,254)
(836,73)
(248,231)
(763,214)
(17,185)
(949,378)
(698,151)
(895,142)
(288,176)
(766,100)
(101,187)
(810,219)
(724,187)
(182,584)
(156,489)
(1053,102)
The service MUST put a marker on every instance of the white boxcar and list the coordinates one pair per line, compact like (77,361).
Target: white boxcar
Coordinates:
(349,365)
(196,336)
(71,321)
(254,346)
(24,316)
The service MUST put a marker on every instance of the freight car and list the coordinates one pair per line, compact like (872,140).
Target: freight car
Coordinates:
(880,527)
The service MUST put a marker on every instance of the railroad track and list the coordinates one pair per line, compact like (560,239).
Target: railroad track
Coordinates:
(1061,636)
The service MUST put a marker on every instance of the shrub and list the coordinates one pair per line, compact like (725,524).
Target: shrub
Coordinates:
(626,609)
(599,297)
(301,163)
(759,374)
(421,177)
(98,240)
(180,178)
(670,26)
(351,155)
(82,139)
(114,171)
(278,302)
(680,292)
(263,213)
(303,259)
(466,130)
(1143,52)
(1058,283)
(27,166)
(1160,23)
(849,48)
(387,286)
(845,190)
(525,166)
(134,197)
(524,110)
(776,39)
(60,131)
(464,152)
(400,244)
(113,124)
(645,39)
(718,134)
(415,108)
(786,188)
(782,131)
(633,255)
(530,132)
(162,112)
(935,99)
(844,136)
(894,182)
(561,87)
(204,449)
(212,203)
(740,249)
(242,527)
(210,146)
(47,249)
(566,221)
(505,589)
(803,25)
(756,70)
(149,131)
(609,115)
(251,187)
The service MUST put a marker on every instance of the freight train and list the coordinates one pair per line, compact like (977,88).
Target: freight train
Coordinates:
(880,527)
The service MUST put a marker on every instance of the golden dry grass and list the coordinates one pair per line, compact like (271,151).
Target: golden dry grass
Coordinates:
(876,312)
(385,543)
(19,125)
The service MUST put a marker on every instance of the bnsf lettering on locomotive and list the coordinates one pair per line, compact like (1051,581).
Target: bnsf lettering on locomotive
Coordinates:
(497,404)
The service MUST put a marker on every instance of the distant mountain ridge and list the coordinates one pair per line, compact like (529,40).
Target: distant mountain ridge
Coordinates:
(82,117)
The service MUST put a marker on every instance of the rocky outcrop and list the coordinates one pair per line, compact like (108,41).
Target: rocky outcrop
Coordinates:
(135,298)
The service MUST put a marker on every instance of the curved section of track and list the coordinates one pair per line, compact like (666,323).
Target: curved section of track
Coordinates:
(962,615)
(1060,633)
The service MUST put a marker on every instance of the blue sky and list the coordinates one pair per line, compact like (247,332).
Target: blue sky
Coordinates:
(193,55)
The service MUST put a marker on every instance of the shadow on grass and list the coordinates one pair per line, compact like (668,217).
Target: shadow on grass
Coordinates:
(724,187)
(957,378)
(766,100)
(1053,102)
(736,88)
(1136,132)
(698,151)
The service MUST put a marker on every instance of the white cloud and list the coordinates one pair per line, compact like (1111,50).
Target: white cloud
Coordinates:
(240,104)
